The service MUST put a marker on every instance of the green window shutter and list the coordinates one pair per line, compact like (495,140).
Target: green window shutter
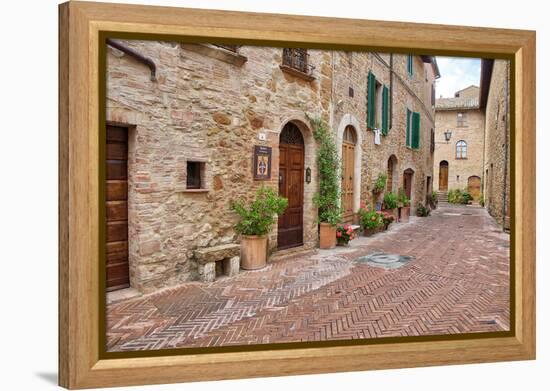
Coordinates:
(416,131)
(410,64)
(385,111)
(371,91)
(408,140)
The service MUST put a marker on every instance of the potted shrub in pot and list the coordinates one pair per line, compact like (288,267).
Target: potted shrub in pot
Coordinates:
(254,225)
(387,219)
(344,234)
(379,186)
(405,209)
(327,199)
(371,221)
(390,203)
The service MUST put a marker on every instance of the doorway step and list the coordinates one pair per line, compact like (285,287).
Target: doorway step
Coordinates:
(442,198)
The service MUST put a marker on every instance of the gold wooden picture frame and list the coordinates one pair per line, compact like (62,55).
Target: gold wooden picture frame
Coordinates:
(83,28)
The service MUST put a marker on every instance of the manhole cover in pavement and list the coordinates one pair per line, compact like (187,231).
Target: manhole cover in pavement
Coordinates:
(386,261)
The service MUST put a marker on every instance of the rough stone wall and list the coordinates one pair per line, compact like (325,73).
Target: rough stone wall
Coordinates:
(207,110)
(497,136)
(472,133)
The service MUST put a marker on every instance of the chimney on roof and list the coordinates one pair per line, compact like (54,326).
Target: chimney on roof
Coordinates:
(457,94)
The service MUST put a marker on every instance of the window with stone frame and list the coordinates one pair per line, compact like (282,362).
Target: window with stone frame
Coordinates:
(461,149)
(461,120)
(195,175)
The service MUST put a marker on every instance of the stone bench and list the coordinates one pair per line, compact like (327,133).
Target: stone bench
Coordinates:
(217,260)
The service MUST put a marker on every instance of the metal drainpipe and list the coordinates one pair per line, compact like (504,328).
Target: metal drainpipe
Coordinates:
(391,90)
(506,141)
(138,56)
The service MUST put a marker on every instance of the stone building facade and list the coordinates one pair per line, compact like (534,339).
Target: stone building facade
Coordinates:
(192,131)
(494,101)
(458,162)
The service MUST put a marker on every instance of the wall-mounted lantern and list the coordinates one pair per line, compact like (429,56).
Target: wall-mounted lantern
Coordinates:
(308,175)
(448,134)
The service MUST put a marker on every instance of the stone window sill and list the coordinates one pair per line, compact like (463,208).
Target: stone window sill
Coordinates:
(216,52)
(185,190)
(296,72)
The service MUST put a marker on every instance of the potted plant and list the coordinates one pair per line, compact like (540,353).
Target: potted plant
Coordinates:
(256,221)
(379,185)
(422,210)
(387,219)
(344,234)
(371,221)
(405,208)
(327,199)
(390,203)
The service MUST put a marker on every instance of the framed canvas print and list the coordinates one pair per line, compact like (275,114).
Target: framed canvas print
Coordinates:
(247,195)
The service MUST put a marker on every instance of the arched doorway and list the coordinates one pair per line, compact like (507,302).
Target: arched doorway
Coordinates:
(443,175)
(391,181)
(408,176)
(349,141)
(290,231)
(474,186)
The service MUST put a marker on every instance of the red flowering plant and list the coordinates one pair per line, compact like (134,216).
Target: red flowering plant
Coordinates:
(344,234)
(387,218)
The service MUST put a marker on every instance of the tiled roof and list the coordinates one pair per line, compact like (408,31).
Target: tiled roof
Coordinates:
(456,103)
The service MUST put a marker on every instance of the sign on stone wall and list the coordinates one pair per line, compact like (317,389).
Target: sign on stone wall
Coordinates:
(262,163)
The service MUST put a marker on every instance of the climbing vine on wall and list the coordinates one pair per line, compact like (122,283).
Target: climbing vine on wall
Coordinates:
(327,199)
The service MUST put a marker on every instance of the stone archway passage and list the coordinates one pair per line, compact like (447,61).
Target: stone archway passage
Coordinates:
(443,175)
(290,232)
(474,186)
(349,141)
(116,206)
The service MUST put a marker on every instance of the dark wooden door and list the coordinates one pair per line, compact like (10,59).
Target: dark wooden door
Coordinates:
(443,175)
(407,182)
(291,186)
(116,207)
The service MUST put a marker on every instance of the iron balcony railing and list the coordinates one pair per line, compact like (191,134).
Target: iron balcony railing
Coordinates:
(297,59)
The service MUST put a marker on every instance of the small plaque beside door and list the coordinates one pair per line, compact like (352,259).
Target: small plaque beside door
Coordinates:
(262,163)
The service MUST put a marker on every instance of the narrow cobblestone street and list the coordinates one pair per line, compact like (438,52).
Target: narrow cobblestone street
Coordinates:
(457,281)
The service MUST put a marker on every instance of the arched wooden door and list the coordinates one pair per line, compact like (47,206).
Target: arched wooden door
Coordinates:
(443,175)
(290,231)
(474,186)
(348,172)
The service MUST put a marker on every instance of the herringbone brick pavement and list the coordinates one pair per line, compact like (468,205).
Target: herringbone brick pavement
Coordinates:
(457,282)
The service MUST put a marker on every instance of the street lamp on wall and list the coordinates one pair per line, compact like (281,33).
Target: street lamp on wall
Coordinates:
(448,135)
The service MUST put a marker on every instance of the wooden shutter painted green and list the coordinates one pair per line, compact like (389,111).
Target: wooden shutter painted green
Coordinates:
(385,109)
(371,91)
(410,64)
(415,131)
(408,140)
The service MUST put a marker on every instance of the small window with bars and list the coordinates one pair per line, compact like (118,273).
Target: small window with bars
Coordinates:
(461,119)
(297,58)
(195,175)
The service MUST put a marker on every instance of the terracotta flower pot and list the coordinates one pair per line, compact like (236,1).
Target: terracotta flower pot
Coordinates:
(393,212)
(405,213)
(253,252)
(327,236)
(370,231)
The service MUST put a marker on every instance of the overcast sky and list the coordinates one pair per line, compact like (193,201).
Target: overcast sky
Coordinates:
(456,73)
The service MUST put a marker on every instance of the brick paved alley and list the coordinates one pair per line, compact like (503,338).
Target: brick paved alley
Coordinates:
(457,281)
